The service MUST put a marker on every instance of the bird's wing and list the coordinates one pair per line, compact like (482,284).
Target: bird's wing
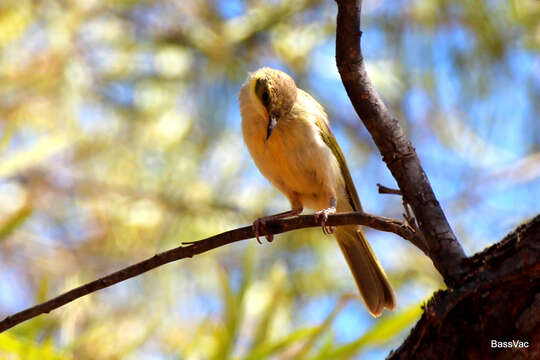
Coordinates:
(330,141)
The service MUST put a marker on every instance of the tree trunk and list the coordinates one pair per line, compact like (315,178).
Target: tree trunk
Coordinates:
(494,313)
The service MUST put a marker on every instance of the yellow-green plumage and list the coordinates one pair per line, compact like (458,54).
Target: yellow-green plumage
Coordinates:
(300,156)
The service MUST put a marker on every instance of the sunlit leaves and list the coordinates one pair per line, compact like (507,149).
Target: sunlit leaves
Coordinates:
(383,331)
(14,347)
(14,20)
(120,137)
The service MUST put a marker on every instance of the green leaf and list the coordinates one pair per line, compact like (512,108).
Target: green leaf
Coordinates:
(277,284)
(383,331)
(14,221)
(325,326)
(227,335)
(44,148)
(247,270)
(326,348)
(19,348)
(268,348)
(233,313)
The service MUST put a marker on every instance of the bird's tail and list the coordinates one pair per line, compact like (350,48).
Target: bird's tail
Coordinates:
(366,269)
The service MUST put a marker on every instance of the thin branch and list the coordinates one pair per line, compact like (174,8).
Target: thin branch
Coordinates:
(191,249)
(397,151)
(386,190)
(419,241)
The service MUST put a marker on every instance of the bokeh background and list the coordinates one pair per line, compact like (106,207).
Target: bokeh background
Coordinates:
(120,137)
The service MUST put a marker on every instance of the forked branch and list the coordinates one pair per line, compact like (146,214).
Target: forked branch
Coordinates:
(396,150)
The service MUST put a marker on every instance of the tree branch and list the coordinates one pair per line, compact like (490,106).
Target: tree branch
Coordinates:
(397,151)
(386,190)
(191,249)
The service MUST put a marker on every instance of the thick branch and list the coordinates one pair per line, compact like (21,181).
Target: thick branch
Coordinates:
(397,151)
(499,300)
(191,249)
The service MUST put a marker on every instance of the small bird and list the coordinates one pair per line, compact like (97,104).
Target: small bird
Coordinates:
(288,135)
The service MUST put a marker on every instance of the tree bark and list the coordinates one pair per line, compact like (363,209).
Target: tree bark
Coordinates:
(492,307)
(397,151)
(499,300)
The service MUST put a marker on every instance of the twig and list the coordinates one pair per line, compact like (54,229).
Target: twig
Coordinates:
(191,249)
(386,190)
(396,150)
(419,241)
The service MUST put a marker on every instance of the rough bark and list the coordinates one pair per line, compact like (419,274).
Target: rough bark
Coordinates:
(499,300)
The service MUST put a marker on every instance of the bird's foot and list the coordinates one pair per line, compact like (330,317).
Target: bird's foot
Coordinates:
(322,217)
(260,224)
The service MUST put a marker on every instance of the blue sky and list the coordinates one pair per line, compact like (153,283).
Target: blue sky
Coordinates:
(482,134)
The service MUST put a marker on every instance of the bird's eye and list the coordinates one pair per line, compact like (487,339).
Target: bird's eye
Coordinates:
(265,98)
(261,89)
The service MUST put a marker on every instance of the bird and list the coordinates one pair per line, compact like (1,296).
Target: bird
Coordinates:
(287,133)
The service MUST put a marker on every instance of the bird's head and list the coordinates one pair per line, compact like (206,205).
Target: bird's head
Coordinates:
(276,92)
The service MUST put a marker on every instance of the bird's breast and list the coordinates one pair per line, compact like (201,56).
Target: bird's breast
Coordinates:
(294,159)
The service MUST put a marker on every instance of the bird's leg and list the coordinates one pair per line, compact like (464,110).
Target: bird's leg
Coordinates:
(260,223)
(322,216)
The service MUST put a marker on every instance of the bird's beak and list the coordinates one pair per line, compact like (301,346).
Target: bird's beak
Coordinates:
(271,124)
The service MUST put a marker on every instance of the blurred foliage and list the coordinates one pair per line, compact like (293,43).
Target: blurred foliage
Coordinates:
(120,137)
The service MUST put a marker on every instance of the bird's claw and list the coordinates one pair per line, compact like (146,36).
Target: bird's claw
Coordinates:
(257,226)
(322,217)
